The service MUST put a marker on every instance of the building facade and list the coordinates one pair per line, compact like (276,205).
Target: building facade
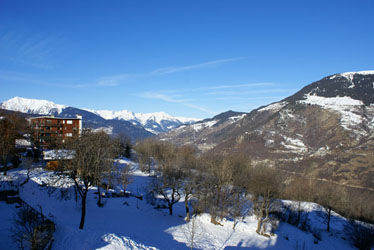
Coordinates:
(48,128)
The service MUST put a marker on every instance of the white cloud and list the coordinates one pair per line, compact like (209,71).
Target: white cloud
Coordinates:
(173,69)
(173,99)
(33,49)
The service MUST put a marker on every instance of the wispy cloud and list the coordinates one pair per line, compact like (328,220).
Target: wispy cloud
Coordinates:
(250,92)
(116,80)
(258,84)
(242,98)
(173,99)
(39,50)
(245,96)
(36,49)
(173,69)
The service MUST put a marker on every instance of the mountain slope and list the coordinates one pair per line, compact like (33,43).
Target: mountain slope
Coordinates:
(203,133)
(324,131)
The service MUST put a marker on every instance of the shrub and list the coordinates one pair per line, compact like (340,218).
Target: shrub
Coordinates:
(360,235)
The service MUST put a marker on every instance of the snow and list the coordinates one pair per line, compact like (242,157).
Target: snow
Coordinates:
(365,72)
(235,118)
(130,223)
(23,143)
(108,130)
(331,101)
(347,107)
(44,107)
(142,118)
(274,107)
(349,75)
(6,217)
(199,126)
(58,154)
(294,144)
(33,106)
(115,242)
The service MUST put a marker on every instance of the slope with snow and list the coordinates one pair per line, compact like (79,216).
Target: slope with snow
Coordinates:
(130,223)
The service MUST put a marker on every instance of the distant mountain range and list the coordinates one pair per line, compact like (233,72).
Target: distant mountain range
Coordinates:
(324,131)
(134,125)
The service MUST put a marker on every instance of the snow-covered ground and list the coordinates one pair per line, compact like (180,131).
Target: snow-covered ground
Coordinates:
(7,213)
(349,109)
(131,223)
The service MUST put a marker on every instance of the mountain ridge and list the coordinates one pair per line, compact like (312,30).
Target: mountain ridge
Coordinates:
(154,123)
(325,131)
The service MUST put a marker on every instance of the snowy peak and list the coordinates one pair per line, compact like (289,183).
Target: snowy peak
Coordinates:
(358,86)
(32,106)
(142,118)
(155,123)
(350,75)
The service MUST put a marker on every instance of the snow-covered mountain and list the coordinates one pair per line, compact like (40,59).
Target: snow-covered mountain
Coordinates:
(326,130)
(32,106)
(153,122)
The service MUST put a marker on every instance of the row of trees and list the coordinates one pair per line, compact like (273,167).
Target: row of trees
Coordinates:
(223,185)
(210,183)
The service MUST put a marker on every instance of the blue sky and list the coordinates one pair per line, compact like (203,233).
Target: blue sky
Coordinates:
(187,58)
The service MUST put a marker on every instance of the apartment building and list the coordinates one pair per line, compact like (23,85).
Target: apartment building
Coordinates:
(46,128)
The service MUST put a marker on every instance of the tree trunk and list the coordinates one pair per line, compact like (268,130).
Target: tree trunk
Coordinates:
(259,225)
(328,218)
(83,215)
(99,203)
(170,209)
(5,163)
(187,208)
(298,213)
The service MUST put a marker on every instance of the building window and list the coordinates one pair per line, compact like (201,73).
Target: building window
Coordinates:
(69,122)
(69,134)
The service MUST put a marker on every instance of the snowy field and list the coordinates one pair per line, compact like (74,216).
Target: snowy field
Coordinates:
(131,223)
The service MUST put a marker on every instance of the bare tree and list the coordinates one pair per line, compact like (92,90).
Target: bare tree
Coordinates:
(328,198)
(264,186)
(124,145)
(168,176)
(30,229)
(11,127)
(92,157)
(187,163)
(27,164)
(360,234)
(122,176)
(146,150)
(192,231)
(214,193)
(168,184)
